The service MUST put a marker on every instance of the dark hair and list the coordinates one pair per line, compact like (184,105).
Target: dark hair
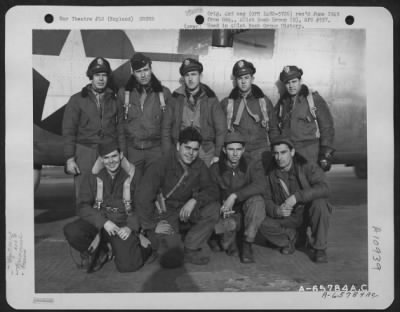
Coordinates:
(189,134)
(291,147)
(243,143)
(107,146)
(142,66)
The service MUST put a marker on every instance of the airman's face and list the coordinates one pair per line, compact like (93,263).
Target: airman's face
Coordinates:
(234,152)
(192,80)
(112,161)
(283,156)
(293,86)
(99,81)
(244,82)
(143,75)
(188,152)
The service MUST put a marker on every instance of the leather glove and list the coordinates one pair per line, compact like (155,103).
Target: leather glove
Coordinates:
(325,157)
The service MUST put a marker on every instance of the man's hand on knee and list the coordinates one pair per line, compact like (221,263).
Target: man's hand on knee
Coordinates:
(124,232)
(163,227)
(111,228)
(187,209)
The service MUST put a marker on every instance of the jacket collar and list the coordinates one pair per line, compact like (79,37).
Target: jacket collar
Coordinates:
(304,91)
(104,175)
(154,83)
(175,163)
(223,166)
(255,91)
(205,90)
(298,161)
(86,90)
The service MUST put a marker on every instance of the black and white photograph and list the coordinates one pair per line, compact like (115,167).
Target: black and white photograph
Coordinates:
(229,156)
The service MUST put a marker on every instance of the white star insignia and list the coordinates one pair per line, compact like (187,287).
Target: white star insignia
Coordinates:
(66,72)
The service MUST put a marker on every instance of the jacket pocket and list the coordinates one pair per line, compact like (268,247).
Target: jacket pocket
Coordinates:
(84,120)
(306,127)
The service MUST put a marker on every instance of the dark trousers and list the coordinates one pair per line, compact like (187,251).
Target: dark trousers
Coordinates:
(85,158)
(316,215)
(308,150)
(279,231)
(128,253)
(255,154)
(142,159)
(199,227)
(207,156)
(253,210)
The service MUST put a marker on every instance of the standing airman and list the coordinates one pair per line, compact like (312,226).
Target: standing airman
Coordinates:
(196,105)
(305,117)
(249,111)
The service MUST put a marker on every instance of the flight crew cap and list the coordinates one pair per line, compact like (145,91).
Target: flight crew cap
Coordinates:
(189,65)
(139,60)
(290,72)
(243,67)
(234,137)
(106,147)
(98,65)
(282,139)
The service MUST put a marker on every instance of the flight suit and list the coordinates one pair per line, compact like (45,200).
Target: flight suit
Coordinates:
(209,120)
(251,124)
(308,183)
(247,182)
(146,123)
(85,125)
(297,122)
(162,176)
(81,232)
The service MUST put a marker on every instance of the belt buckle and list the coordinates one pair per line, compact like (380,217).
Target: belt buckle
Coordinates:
(112,209)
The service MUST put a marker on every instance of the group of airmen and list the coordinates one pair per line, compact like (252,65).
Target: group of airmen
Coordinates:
(159,176)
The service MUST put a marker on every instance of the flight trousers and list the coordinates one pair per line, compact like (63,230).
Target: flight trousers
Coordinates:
(315,214)
(128,253)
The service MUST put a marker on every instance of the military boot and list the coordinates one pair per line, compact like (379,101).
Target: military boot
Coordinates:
(319,256)
(229,243)
(98,258)
(247,253)
(291,246)
(195,257)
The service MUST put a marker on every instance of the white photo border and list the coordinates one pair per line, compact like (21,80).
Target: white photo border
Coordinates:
(21,20)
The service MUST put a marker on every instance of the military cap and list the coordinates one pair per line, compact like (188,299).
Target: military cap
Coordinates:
(290,72)
(106,147)
(282,139)
(243,67)
(139,60)
(234,137)
(189,65)
(98,65)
